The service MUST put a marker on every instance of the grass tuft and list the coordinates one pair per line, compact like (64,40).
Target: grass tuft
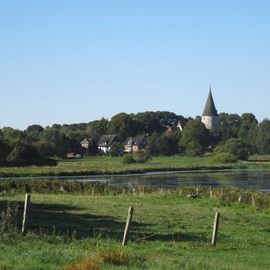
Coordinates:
(116,257)
(4,267)
(89,263)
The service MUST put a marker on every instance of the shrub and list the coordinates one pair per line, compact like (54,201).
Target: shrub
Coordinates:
(4,267)
(26,155)
(116,257)
(89,263)
(8,218)
(116,150)
(140,158)
(143,157)
(129,159)
(237,147)
(224,158)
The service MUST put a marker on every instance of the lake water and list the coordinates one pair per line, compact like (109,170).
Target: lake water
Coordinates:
(247,179)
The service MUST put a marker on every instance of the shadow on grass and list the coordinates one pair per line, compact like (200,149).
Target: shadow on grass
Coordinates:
(62,220)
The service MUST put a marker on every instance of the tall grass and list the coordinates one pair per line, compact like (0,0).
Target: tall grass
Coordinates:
(113,165)
(88,263)
(171,230)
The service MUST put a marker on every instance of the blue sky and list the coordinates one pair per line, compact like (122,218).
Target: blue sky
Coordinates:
(64,61)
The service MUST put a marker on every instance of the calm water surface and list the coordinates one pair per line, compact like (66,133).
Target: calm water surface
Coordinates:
(247,179)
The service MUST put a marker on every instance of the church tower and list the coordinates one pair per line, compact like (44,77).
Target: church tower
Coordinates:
(210,116)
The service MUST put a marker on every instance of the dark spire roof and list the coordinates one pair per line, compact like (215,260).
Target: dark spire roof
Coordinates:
(210,109)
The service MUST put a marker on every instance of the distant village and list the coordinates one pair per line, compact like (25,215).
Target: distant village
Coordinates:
(133,145)
(130,145)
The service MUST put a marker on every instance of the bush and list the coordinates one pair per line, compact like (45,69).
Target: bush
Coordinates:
(224,158)
(129,159)
(8,218)
(26,155)
(116,150)
(144,157)
(89,263)
(140,158)
(237,147)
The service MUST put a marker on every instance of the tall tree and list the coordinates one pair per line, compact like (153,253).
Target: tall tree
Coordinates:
(248,120)
(12,136)
(122,125)
(263,137)
(195,138)
(33,133)
(240,148)
(228,126)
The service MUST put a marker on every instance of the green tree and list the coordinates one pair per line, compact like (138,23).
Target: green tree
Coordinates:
(149,122)
(248,121)
(122,125)
(116,149)
(4,151)
(241,149)
(164,144)
(23,154)
(153,144)
(13,136)
(59,143)
(263,137)
(96,129)
(45,148)
(33,133)
(228,126)
(196,139)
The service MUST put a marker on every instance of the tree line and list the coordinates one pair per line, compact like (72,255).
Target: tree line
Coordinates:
(240,135)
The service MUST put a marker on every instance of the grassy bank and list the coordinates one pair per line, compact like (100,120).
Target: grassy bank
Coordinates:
(169,231)
(114,165)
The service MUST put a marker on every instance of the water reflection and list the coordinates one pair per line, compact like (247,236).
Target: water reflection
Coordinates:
(251,179)
(259,180)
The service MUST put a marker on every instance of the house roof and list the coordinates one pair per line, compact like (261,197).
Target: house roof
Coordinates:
(85,140)
(210,108)
(175,127)
(128,141)
(139,140)
(106,140)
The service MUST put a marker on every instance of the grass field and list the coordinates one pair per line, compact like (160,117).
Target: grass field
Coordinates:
(169,231)
(114,165)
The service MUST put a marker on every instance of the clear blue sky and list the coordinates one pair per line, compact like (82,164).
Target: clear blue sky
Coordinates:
(67,61)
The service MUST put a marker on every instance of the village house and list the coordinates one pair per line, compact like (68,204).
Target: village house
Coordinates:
(73,155)
(175,128)
(105,143)
(128,144)
(134,145)
(85,143)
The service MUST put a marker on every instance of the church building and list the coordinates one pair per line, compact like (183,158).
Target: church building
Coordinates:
(210,115)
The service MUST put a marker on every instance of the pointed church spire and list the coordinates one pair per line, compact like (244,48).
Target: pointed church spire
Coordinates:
(210,108)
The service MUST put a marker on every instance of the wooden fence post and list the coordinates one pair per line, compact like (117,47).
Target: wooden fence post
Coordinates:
(253,201)
(26,212)
(211,192)
(240,199)
(215,230)
(129,218)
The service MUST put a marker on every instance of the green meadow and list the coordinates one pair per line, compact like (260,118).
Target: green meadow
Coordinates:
(114,165)
(169,231)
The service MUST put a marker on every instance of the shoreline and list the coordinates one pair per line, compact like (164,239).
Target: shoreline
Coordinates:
(47,173)
(111,166)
